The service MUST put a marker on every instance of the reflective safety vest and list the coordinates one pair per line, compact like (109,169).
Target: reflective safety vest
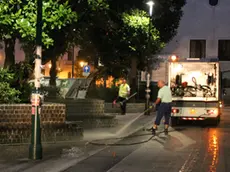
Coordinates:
(123,90)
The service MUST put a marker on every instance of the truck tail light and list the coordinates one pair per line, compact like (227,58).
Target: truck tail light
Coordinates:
(212,112)
(220,104)
(175,110)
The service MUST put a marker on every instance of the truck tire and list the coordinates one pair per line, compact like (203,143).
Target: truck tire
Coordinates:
(213,122)
(216,122)
(174,121)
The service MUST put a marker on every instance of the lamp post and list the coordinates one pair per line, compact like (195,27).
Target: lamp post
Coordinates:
(35,148)
(150,4)
(73,61)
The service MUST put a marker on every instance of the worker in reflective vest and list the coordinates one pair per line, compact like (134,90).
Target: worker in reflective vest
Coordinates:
(124,92)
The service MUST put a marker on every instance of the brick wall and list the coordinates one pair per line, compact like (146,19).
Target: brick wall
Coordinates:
(20,114)
(15,123)
(90,111)
(92,107)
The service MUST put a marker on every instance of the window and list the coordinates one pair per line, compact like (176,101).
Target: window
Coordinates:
(197,49)
(213,2)
(224,50)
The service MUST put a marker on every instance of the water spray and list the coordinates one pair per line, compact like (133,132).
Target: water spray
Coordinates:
(122,130)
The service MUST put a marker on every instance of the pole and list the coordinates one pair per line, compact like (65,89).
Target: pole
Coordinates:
(148,70)
(35,149)
(147,95)
(73,62)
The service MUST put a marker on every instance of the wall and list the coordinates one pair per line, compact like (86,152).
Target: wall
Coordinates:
(15,123)
(19,53)
(201,21)
(64,66)
(90,111)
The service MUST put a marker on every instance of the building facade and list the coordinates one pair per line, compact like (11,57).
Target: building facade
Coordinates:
(64,63)
(204,32)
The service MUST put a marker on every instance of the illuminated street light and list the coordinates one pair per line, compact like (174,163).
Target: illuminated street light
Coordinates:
(82,63)
(150,4)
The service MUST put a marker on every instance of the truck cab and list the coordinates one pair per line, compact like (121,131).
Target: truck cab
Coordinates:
(196,90)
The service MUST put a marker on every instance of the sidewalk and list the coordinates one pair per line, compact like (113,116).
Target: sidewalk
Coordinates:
(60,156)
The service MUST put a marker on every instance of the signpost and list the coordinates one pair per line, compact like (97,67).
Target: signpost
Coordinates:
(86,70)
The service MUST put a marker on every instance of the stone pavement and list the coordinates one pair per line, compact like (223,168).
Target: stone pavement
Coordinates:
(60,156)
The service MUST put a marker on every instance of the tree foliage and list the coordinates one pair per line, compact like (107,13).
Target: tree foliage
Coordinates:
(18,17)
(23,72)
(7,93)
(18,20)
(55,16)
(119,33)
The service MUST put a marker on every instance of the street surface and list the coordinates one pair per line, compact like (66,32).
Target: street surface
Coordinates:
(188,148)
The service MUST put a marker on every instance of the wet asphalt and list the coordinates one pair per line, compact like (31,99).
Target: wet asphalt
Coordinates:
(189,147)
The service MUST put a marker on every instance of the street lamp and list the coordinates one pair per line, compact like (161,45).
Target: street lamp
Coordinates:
(82,63)
(150,4)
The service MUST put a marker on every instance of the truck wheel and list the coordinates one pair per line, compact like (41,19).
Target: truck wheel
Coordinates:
(217,121)
(174,121)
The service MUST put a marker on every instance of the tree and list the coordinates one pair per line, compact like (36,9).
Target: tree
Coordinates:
(57,31)
(122,36)
(61,44)
(8,16)
(18,20)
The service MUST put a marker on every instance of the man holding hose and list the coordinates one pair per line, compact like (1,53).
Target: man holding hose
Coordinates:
(164,99)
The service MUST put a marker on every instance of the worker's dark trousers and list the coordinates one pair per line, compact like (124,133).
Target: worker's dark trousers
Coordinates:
(164,109)
(123,105)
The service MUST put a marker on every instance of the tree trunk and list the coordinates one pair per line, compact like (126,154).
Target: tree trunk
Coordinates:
(29,53)
(9,52)
(96,61)
(105,82)
(53,72)
(133,77)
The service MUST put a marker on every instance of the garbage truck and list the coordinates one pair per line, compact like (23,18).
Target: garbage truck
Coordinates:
(196,89)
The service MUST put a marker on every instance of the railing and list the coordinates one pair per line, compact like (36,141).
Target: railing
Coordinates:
(80,85)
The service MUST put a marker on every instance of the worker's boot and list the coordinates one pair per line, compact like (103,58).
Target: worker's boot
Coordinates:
(152,130)
(166,131)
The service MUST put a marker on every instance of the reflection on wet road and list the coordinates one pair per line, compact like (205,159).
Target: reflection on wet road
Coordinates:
(213,149)
(188,148)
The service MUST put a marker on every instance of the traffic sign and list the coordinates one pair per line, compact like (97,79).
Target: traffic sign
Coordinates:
(86,69)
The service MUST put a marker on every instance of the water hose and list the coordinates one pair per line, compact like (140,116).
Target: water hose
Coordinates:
(94,142)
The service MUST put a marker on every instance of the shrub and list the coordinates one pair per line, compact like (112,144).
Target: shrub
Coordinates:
(7,93)
(22,71)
